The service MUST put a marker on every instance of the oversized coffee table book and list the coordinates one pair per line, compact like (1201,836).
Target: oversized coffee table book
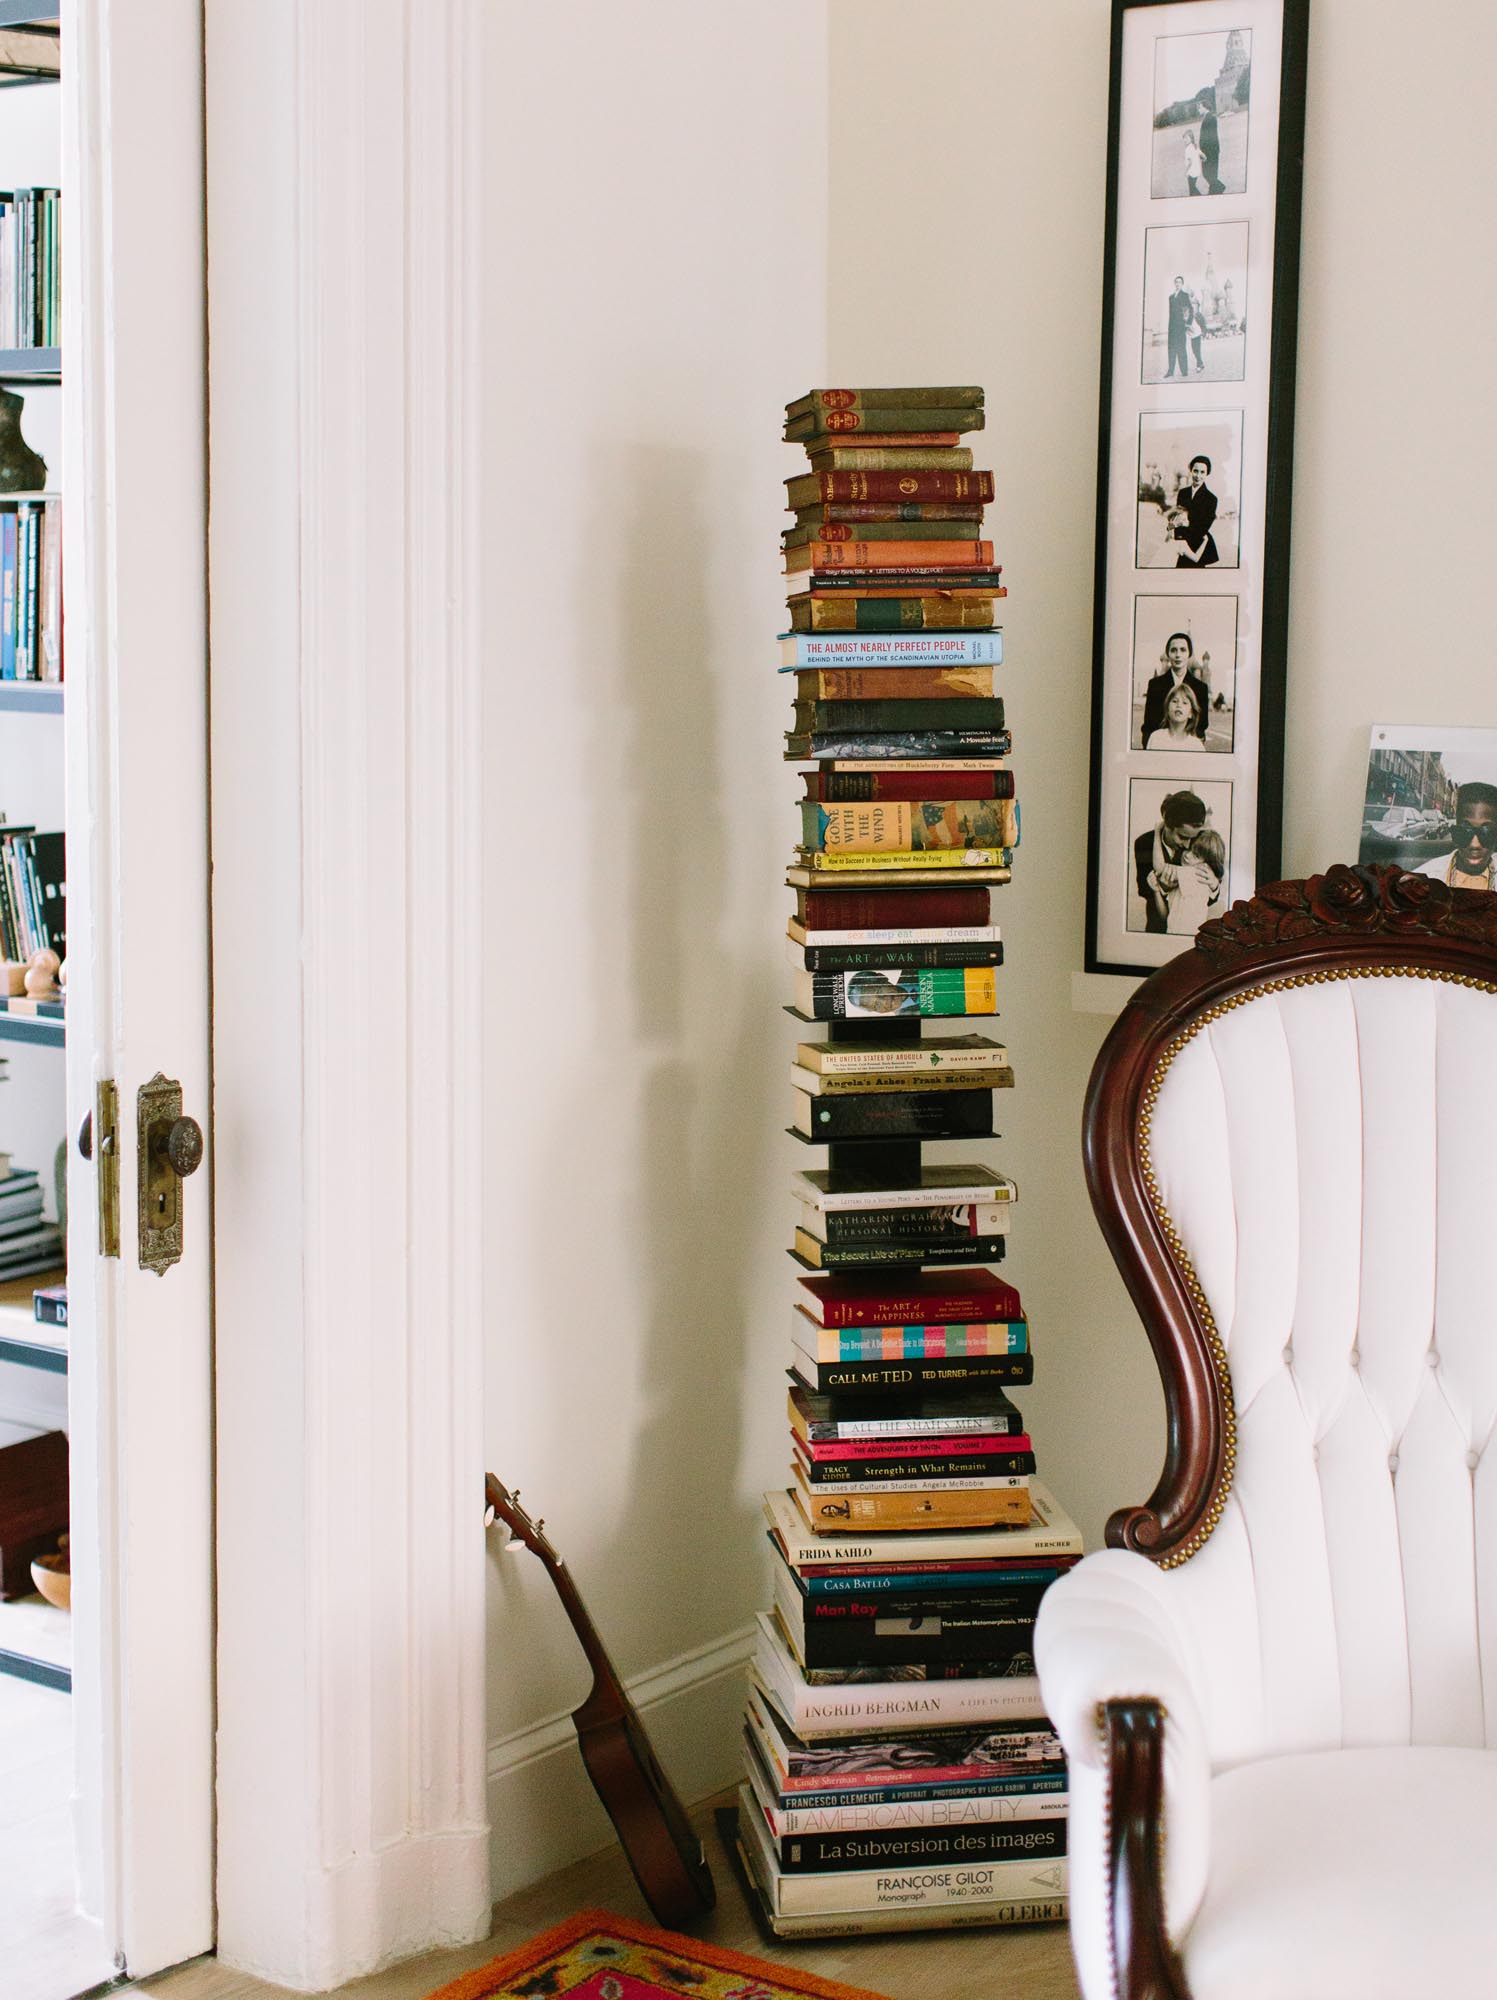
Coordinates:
(899,1769)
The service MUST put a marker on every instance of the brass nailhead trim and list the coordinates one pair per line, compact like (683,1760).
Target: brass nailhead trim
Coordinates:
(1215,1346)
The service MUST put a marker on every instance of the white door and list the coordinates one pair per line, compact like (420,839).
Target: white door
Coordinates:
(138,989)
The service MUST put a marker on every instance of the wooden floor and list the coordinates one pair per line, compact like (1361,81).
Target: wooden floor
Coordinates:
(1030,1964)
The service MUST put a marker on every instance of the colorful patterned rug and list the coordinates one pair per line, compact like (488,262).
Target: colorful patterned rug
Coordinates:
(598,1956)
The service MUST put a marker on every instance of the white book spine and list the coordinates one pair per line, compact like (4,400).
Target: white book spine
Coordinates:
(973,934)
(991,1811)
(913,1056)
(997,1189)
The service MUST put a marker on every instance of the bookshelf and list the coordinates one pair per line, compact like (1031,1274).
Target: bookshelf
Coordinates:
(35,1638)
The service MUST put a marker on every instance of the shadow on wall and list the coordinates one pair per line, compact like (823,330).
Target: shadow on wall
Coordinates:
(683,1028)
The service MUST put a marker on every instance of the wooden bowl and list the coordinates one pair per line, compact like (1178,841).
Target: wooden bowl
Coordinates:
(52,1578)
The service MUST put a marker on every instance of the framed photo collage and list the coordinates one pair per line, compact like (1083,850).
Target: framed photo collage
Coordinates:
(1205,141)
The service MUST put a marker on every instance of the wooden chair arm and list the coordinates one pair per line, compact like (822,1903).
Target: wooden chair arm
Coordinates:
(1145,1963)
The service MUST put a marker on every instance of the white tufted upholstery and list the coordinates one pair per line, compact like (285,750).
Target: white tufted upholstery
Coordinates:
(1327,1155)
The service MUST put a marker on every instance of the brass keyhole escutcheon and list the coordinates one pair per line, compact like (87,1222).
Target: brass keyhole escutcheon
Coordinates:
(169,1147)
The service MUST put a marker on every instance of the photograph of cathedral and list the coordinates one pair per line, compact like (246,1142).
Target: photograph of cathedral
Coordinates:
(1195,303)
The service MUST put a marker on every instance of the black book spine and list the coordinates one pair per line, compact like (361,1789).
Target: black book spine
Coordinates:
(907,1255)
(970,1465)
(971,1372)
(918,957)
(903,1114)
(926,1846)
(946,712)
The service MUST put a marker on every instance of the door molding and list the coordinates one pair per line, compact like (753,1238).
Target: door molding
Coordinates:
(343,265)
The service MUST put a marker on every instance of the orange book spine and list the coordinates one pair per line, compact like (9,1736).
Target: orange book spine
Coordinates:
(889,555)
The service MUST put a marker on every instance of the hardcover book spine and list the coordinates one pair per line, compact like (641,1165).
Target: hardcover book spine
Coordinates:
(964,1114)
(892,614)
(861,909)
(903,460)
(917,1343)
(890,649)
(831,554)
(900,483)
(7,595)
(853,958)
(879,825)
(927,992)
(864,1377)
(848,787)
(895,1309)
(895,683)
(935,424)
(870,744)
(931,1847)
(967,397)
(893,1253)
(907,861)
(952,1221)
(895,1589)
(878,522)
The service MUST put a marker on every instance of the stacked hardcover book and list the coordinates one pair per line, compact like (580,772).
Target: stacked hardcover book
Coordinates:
(31,590)
(30,267)
(900,1770)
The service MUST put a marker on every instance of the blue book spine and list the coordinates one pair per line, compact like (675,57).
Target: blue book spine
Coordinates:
(930,1583)
(28,592)
(890,649)
(23,605)
(7,596)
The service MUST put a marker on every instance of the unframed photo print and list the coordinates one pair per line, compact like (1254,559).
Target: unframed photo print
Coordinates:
(1180,837)
(1189,640)
(1195,303)
(1202,85)
(1431,803)
(1189,490)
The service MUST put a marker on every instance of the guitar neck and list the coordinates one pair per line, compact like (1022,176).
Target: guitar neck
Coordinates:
(607,1698)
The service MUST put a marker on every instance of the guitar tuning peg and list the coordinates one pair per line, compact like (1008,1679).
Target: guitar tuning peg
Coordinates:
(540,1524)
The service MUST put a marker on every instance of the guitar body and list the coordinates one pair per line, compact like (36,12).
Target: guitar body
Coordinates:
(669,1862)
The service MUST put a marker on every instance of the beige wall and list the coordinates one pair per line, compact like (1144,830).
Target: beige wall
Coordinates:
(654,268)
(967,181)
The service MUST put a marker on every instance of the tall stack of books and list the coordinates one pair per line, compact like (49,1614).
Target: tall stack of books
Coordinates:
(901,1772)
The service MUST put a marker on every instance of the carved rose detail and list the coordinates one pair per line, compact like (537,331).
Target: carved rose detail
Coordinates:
(1361,900)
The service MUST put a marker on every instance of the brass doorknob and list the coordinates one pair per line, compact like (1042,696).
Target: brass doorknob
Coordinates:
(184,1147)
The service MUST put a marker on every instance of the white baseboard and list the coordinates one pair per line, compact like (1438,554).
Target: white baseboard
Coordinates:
(542,1808)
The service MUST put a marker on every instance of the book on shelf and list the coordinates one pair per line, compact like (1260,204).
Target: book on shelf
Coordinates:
(922,1486)
(842,1512)
(879,826)
(939,1222)
(964,396)
(976,1889)
(799,875)
(948,712)
(871,993)
(930,1341)
(841,1702)
(894,1114)
(843,957)
(894,1082)
(828,1419)
(919,553)
(835,1632)
(1014,1795)
(941,779)
(862,588)
(899,1377)
(894,1253)
(864,456)
(49,1305)
(875,526)
(30,265)
(872,650)
(866,1460)
(904,1767)
(894,937)
(1049,1532)
(946,612)
(857,421)
(834,906)
(31,589)
(33,907)
(893,683)
(946,1186)
(860,481)
(921,1296)
(949,1053)
(897,749)
(903,861)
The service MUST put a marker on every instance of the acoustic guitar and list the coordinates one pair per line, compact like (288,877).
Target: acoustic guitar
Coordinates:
(669,1862)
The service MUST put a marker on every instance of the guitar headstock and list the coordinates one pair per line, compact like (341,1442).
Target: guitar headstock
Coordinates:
(502,1505)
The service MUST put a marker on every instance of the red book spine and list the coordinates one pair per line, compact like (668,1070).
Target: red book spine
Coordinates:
(859,1308)
(851,787)
(905,485)
(894,909)
(920,1447)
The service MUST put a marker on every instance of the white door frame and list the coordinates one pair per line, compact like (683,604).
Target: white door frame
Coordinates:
(140,1374)
(343,267)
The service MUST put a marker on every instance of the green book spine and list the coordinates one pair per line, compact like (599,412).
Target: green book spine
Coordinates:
(880,423)
(908,528)
(892,614)
(948,712)
(967,397)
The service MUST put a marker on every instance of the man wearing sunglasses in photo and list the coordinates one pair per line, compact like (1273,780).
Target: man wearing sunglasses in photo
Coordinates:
(1470,863)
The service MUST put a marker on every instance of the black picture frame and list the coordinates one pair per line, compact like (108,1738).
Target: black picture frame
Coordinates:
(1116,941)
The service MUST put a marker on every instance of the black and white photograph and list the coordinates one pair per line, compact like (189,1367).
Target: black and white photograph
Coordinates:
(1431,804)
(1180,839)
(1189,490)
(1195,303)
(1184,674)
(1201,89)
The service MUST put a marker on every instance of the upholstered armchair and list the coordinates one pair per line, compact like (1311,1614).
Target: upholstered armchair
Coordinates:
(1277,1686)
